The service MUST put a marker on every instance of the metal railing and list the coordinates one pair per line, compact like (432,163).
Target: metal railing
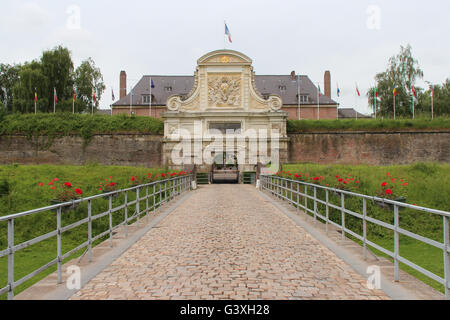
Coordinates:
(285,189)
(163,191)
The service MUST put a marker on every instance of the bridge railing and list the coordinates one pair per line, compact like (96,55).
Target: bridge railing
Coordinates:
(161,192)
(296,193)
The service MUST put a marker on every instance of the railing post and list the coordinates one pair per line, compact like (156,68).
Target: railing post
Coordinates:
(446,258)
(11,259)
(396,244)
(58,244)
(364,228)
(146,203)
(306,199)
(315,205)
(343,216)
(291,190)
(126,214)
(110,222)
(138,207)
(327,209)
(154,197)
(89,231)
(298,196)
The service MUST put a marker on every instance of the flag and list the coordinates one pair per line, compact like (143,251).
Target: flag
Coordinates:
(112,95)
(394,91)
(35,95)
(55,97)
(320,92)
(73,95)
(357,91)
(227,33)
(338,90)
(153,84)
(413,90)
(93,94)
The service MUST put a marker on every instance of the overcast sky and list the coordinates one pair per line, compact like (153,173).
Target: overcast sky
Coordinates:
(353,38)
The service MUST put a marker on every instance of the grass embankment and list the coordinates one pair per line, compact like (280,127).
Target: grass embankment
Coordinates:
(428,185)
(26,194)
(84,125)
(298,126)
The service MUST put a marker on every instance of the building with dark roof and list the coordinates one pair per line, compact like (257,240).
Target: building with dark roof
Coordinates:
(350,113)
(145,101)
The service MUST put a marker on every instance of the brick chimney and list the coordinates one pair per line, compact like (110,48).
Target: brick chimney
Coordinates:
(123,84)
(327,83)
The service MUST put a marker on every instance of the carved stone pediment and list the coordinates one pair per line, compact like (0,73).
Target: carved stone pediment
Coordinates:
(224,80)
(224,91)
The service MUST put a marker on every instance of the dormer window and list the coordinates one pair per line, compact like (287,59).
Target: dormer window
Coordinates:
(145,98)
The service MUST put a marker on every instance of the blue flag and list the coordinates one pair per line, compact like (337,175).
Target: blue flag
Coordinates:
(153,85)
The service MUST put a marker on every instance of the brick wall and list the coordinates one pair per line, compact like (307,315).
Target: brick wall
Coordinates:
(370,147)
(117,149)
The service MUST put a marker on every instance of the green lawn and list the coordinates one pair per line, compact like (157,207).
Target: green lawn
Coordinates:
(25,193)
(428,185)
(297,126)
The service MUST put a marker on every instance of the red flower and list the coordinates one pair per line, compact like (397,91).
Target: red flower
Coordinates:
(393,180)
(388,191)
(384,184)
(163,175)
(340,180)
(316,178)
(68,185)
(356,181)
(78,191)
(345,182)
(56,179)
(388,174)
(337,176)
(133,178)
(405,184)
(100,189)
(40,184)
(50,183)
(53,188)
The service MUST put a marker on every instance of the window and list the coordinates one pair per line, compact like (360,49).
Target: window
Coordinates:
(224,127)
(146,99)
(303,98)
(168,89)
(282,88)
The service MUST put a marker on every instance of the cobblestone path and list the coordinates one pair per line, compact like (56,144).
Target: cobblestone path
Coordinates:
(228,242)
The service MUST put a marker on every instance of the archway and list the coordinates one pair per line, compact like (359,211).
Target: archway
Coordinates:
(225,168)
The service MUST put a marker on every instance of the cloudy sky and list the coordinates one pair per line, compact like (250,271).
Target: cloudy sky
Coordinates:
(353,38)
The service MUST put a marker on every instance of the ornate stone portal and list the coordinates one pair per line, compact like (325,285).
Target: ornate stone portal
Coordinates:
(224,98)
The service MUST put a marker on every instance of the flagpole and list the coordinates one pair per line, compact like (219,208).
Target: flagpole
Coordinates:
(412,96)
(432,100)
(35,96)
(54,100)
(150,111)
(375,102)
(298,92)
(394,106)
(224,41)
(318,102)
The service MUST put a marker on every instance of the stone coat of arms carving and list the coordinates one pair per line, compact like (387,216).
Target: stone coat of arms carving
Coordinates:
(224,92)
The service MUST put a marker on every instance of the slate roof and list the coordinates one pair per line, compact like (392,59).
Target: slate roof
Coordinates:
(350,113)
(182,85)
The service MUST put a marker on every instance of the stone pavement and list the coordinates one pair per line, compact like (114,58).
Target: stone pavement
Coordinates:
(228,242)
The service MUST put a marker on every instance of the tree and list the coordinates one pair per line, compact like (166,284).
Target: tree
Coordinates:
(31,80)
(57,67)
(9,76)
(402,72)
(441,100)
(87,78)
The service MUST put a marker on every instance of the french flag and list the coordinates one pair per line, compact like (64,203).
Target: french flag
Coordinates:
(227,32)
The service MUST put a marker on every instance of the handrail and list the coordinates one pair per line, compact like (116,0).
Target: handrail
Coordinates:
(282,187)
(166,189)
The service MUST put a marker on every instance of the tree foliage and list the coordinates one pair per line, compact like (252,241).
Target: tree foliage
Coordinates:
(54,70)
(402,72)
